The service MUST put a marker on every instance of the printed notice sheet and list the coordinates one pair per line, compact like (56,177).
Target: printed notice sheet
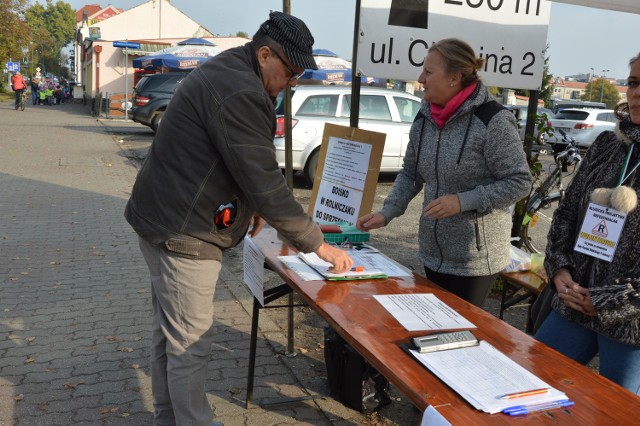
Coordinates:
(423,312)
(253,265)
(344,175)
(482,374)
(347,163)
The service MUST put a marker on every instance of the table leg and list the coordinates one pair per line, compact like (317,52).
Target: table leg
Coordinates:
(269,296)
(252,351)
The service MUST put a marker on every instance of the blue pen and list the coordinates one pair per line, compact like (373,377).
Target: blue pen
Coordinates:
(519,410)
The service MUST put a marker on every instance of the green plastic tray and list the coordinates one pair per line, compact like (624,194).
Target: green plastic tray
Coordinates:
(349,232)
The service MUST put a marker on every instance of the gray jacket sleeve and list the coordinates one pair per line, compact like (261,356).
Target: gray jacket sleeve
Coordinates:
(249,154)
(506,160)
(407,184)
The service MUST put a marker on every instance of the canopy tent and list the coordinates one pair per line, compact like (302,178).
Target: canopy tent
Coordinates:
(630,6)
(331,69)
(194,41)
(187,54)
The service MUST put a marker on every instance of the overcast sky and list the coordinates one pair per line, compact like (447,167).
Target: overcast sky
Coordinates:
(579,37)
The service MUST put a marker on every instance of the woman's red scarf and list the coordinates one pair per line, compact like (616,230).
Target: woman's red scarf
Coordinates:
(442,114)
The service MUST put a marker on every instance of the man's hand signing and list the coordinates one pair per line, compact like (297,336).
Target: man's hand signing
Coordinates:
(339,258)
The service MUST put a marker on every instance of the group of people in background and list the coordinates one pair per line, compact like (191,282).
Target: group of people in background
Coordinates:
(44,90)
(50,91)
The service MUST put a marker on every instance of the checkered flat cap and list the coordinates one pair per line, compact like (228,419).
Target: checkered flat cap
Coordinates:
(294,37)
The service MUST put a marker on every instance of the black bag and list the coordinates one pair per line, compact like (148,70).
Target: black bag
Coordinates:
(352,380)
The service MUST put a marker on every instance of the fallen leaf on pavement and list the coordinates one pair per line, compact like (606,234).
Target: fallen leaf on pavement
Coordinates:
(72,385)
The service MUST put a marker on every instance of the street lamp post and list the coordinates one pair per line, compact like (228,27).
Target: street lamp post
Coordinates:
(590,85)
(604,73)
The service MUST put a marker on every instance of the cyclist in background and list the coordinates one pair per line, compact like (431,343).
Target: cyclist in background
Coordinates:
(18,85)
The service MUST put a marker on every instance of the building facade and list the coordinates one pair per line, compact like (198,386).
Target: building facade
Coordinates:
(102,69)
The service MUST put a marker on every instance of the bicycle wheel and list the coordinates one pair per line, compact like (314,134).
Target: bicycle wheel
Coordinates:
(534,233)
(22,104)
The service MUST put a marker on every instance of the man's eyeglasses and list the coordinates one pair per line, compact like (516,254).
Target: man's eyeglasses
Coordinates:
(294,75)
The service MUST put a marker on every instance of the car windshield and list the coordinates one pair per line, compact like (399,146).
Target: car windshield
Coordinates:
(372,107)
(280,103)
(549,113)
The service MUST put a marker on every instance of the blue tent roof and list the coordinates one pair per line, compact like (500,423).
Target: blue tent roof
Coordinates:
(323,52)
(179,57)
(332,76)
(169,61)
(196,41)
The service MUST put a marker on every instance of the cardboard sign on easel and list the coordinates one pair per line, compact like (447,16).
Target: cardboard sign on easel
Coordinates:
(347,174)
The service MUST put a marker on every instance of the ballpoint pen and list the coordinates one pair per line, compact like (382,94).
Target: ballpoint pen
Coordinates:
(519,410)
(524,393)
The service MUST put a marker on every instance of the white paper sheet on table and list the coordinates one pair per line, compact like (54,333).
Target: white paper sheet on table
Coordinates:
(304,271)
(423,312)
(481,374)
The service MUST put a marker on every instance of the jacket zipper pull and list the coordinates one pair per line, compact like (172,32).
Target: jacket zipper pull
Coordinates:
(477,228)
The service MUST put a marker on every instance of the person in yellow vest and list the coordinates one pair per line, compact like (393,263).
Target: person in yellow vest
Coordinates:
(50,94)
(43,95)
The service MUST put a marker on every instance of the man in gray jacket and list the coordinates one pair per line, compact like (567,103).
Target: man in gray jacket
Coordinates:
(210,172)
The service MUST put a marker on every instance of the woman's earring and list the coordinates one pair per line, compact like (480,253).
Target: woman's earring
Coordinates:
(451,84)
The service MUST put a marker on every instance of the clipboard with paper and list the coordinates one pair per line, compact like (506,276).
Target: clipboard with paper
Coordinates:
(322,268)
(482,374)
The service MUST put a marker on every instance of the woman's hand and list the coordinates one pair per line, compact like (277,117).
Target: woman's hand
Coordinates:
(339,258)
(441,207)
(371,221)
(572,294)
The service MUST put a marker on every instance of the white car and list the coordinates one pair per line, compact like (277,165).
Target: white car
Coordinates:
(381,110)
(584,125)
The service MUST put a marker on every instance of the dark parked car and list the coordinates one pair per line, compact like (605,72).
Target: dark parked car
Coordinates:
(151,97)
(521,112)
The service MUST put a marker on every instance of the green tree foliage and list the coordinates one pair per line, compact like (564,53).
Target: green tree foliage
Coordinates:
(540,122)
(602,90)
(14,33)
(53,27)
(242,34)
(546,89)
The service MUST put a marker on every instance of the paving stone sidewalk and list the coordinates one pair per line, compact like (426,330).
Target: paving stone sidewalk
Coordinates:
(75,308)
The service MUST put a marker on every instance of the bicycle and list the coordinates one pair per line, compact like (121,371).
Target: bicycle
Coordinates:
(542,197)
(22,101)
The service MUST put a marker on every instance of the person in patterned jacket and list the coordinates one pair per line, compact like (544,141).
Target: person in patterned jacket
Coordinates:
(596,308)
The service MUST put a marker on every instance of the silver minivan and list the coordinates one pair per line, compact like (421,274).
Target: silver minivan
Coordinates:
(381,110)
